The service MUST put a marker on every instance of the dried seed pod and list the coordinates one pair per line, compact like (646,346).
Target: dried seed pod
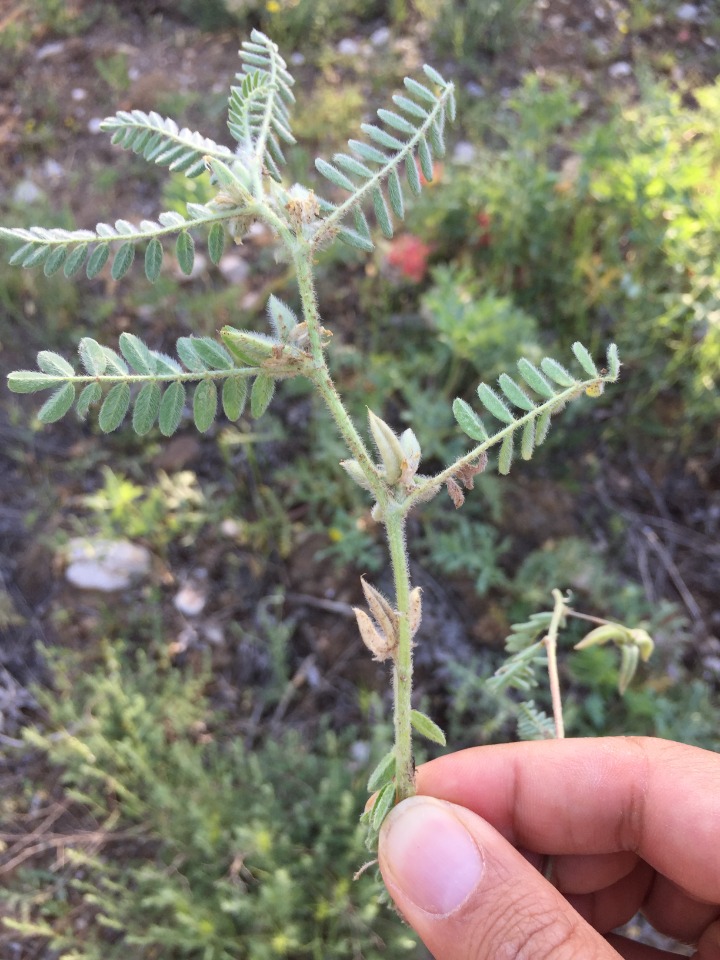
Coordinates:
(376,642)
(388,445)
(456,494)
(382,610)
(415,610)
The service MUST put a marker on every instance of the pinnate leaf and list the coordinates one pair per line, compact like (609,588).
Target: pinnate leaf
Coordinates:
(468,421)
(383,772)
(53,363)
(216,242)
(136,353)
(123,260)
(98,259)
(93,357)
(90,395)
(384,802)
(30,381)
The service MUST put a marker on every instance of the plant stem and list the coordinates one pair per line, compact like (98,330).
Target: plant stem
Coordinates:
(402,664)
(550,642)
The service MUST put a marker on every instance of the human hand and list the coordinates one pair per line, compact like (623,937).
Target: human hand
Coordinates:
(631,824)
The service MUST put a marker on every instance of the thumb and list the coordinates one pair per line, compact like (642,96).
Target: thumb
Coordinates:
(470,894)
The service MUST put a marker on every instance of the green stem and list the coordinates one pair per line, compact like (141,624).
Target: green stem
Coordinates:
(550,642)
(402,665)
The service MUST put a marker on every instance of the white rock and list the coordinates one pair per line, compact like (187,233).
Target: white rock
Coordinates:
(348,47)
(27,192)
(78,94)
(190,600)
(380,36)
(233,268)
(50,50)
(687,12)
(94,124)
(296,59)
(464,152)
(106,565)
(53,169)
(620,69)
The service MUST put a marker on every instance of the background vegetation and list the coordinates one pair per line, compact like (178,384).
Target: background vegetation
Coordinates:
(183,762)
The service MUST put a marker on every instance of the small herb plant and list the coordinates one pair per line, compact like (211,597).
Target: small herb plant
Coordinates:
(395,156)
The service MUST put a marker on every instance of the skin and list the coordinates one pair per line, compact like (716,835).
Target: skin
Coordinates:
(630,823)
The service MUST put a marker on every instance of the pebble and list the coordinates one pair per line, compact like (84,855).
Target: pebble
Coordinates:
(27,192)
(348,47)
(687,12)
(78,94)
(620,69)
(464,152)
(94,124)
(50,50)
(53,169)
(474,89)
(190,600)
(107,565)
(380,36)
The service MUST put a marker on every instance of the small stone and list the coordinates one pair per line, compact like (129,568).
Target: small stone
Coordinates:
(464,152)
(107,565)
(620,69)
(296,59)
(233,268)
(348,47)
(95,124)
(50,50)
(380,36)
(78,94)
(474,89)
(53,169)
(190,600)
(687,12)
(27,192)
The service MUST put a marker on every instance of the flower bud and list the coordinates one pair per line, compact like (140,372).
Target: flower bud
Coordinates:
(377,643)
(388,445)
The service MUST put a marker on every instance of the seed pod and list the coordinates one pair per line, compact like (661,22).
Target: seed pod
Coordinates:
(607,633)
(411,457)
(415,610)
(629,656)
(644,642)
(388,445)
(381,609)
(376,642)
(249,348)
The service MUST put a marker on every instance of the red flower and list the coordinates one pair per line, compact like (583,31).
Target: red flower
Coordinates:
(410,256)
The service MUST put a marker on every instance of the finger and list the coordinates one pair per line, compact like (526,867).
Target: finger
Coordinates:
(640,951)
(611,907)
(656,798)
(470,894)
(672,912)
(708,947)
(578,873)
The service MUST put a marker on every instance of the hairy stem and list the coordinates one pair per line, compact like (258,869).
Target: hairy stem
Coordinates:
(550,642)
(402,665)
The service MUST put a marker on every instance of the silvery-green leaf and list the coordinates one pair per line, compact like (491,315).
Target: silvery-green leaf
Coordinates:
(53,363)
(98,259)
(216,242)
(383,772)
(90,395)
(527,445)
(419,90)
(147,405)
(515,393)
(412,175)
(557,372)
(55,261)
(382,213)
(427,727)
(534,379)
(187,352)
(261,394)
(205,405)
(115,406)
(136,353)
(395,194)
(542,428)
(468,421)
(92,356)
(282,318)
(234,397)
(75,260)
(409,106)
(426,162)
(57,404)
(153,259)
(185,252)
(171,408)
(123,260)
(492,402)
(212,353)
(30,381)
(584,359)
(505,457)
(613,361)
(384,802)
(332,174)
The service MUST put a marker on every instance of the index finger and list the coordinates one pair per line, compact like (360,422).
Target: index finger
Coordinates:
(656,798)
